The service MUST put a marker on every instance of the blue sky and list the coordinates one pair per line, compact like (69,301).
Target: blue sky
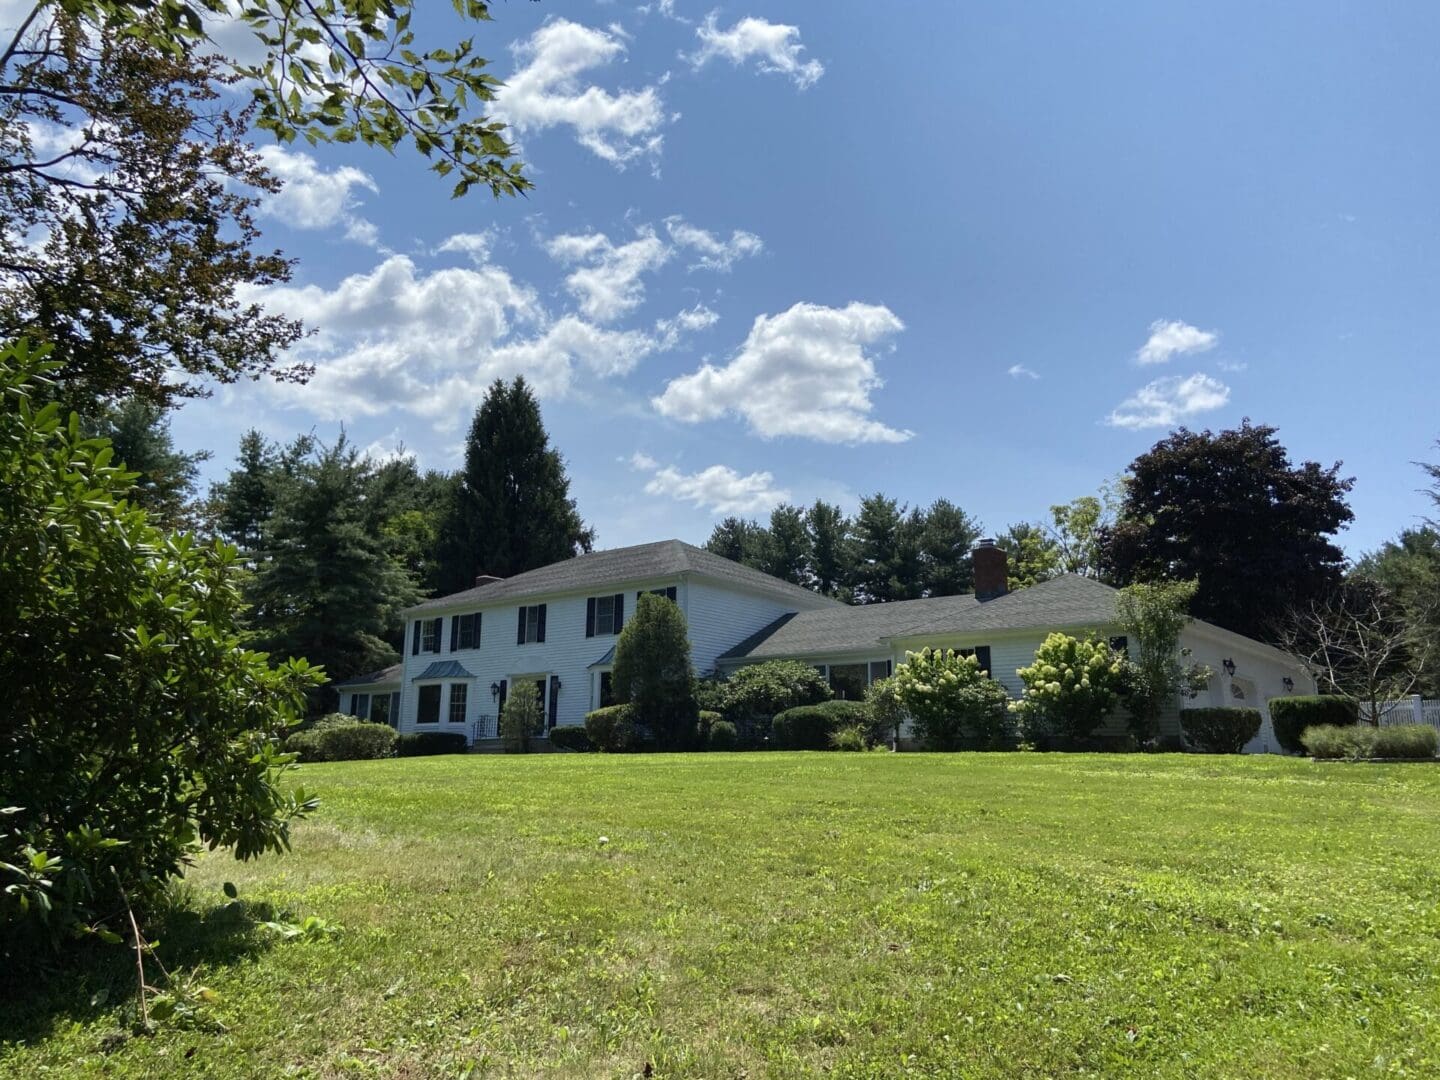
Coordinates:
(988,253)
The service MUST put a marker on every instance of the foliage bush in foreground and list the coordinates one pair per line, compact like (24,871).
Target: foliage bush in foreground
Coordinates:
(427,743)
(1159,670)
(1070,689)
(809,727)
(570,737)
(1220,731)
(887,711)
(137,727)
(851,737)
(612,729)
(952,703)
(351,740)
(1415,742)
(768,689)
(1290,716)
(723,736)
(653,672)
(522,717)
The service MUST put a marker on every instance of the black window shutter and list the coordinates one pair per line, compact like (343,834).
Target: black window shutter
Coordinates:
(475,634)
(554,698)
(415,640)
(982,654)
(454,632)
(590,617)
(504,691)
(619,612)
(520,630)
(540,630)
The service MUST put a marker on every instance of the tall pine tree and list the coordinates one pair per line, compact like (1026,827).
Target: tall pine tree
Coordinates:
(328,585)
(512,510)
(139,433)
(830,549)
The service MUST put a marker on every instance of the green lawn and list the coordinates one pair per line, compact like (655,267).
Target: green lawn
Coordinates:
(797,914)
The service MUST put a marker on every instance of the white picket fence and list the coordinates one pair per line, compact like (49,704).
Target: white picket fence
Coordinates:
(1411,710)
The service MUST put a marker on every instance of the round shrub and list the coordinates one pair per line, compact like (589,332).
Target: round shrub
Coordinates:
(305,745)
(1070,689)
(723,736)
(570,737)
(359,740)
(612,729)
(1290,716)
(1411,742)
(768,689)
(951,702)
(809,727)
(1416,742)
(1220,731)
(426,743)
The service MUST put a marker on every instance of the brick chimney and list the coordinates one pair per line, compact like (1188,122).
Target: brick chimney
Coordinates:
(486,579)
(991,571)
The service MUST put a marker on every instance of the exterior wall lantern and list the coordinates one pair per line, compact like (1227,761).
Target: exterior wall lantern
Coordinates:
(495,690)
(1289,684)
(1229,665)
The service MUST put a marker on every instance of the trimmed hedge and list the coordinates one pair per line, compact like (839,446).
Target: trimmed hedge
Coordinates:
(611,730)
(426,743)
(355,740)
(809,727)
(570,737)
(1411,742)
(1220,731)
(723,735)
(1290,716)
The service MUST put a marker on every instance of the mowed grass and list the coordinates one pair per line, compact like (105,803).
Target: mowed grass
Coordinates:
(816,914)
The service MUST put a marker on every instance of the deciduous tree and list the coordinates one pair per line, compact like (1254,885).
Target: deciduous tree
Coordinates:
(1232,512)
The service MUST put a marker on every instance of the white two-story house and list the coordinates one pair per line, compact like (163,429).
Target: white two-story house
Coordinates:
(556,627)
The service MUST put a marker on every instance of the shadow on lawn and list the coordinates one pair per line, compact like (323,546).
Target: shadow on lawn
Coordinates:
(89,979)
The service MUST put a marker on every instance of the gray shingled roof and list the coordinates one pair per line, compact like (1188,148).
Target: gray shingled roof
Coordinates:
(664,559)
(1064,601)
(384,675)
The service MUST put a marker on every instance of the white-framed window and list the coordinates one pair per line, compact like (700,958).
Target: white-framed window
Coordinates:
(430,635)
(465,631)
(360,705)
(604,615)
(459,691)
(531,627)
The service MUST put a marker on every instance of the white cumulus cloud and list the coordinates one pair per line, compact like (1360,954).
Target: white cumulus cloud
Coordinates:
(713,252)
(1171,337)
(549,89)
(403,338)
(775,47)
(803,372)
(1020,371)
(1169,401)
(609,284)
(719,489)
(317,198)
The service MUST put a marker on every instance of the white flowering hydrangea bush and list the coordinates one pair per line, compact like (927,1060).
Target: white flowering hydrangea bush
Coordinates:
(1070,689)
(952,703)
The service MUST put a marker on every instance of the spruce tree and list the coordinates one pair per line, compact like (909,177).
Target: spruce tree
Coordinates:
(830,548)
(328,586)
(512,510)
